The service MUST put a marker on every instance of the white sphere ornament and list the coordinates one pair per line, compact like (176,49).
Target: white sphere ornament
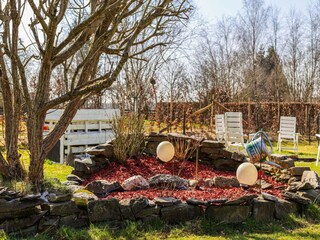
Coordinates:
(247,174)
(165,151)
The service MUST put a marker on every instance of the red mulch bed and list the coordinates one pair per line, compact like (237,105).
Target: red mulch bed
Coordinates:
(150,166)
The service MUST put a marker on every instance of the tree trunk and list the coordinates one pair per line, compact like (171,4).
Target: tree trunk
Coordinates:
(35,124)
(11,168)
(39,147)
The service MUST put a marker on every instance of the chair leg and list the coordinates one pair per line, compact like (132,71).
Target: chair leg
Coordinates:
(279,143)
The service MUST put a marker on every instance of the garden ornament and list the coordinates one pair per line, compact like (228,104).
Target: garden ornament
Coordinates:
(165,151)
(257,149)
(247,174)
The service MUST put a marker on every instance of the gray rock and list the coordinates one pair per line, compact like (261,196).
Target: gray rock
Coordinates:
(277,157)
(106,150)
(269,197)
(135,183)
(166,201)
(312,194)
(82,166)
(156,137)
(298,171)
(125,209)
(102,187)
(74,188)
(151,148)
(138,204)
(101,160)
(238,157)
(20,223)
(296,198)
(180,213)
(168,181)
(292,188)
(217,201)
(197,202)
(148,212)
(304,186)
(263,184)
(104,210)
(288,163)
(208,182)
(213,151)
(193,183)
(61,209)
(71,183)
(263,210)
(212,144)
(284,208)
(75,221)
(75,178)
(55,198)
(82,198)
(30,197)
(48,224)
(294,179)
(26,232)
(312,178)
(223,164)
(228,214)
(225,182)
(284,177)
(19,209)
(241,200)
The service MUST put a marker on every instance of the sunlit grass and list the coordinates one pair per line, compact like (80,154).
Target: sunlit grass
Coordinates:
(51,169)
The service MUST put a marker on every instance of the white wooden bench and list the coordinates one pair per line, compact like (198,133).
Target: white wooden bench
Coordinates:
(287,132)
(89,127)
(234,131)
(220,129)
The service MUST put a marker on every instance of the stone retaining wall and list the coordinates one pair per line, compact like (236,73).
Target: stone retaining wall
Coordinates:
(31,214)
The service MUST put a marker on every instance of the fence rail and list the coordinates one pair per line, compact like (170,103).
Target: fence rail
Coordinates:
(256,115)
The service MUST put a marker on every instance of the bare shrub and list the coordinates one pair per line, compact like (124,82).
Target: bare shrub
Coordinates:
(129,136)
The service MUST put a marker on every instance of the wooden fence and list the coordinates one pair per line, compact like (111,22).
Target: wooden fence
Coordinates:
(257,116)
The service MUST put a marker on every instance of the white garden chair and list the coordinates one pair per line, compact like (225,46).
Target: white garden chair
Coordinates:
(287,132)
(234,131)
(220,129)
(318,154)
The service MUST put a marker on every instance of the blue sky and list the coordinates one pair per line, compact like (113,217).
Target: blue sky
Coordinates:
(212,9)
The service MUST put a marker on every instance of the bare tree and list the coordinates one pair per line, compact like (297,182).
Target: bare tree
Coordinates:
(252,27)
(294,53)
(312,58)
(175,84)
(109,28)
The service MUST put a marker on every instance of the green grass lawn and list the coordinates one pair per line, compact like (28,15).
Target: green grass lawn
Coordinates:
(305,151)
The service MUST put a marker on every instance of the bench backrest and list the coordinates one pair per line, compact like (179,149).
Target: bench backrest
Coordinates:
(287,126)
(85,119)
(220,129)
(233,127)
